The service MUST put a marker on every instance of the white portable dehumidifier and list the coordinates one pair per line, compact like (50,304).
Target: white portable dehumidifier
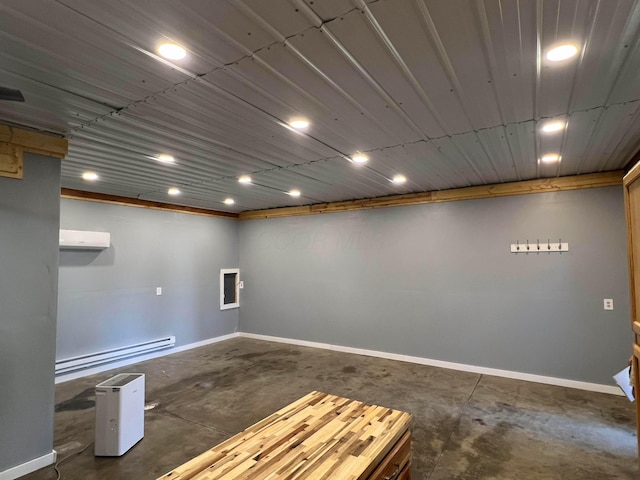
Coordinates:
(119,414)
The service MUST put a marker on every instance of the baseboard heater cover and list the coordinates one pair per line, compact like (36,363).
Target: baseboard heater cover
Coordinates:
(92,359)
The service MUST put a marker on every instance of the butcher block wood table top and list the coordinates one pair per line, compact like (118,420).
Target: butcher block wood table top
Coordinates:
(319,436)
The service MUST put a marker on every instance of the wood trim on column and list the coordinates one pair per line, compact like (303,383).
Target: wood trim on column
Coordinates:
(134,202)
(11,160)
(632,174)
(484,191)
(34,142)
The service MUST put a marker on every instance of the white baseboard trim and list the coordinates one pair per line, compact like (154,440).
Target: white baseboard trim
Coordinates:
(30,466)
(529,377)
(141,358)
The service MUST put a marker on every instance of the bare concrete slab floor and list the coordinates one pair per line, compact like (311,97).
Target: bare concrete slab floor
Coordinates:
(466,426)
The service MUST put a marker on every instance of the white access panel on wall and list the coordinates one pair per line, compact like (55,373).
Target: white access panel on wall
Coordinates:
(119,414)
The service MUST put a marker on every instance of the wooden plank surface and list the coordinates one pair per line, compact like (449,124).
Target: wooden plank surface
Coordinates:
(575,182)
(11,163)
(35,142)
(135,202)
(319,436)
(632,210)
(396,460)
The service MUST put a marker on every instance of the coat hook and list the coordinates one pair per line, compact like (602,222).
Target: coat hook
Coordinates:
(538,243)
(518,245)
(548,244)
(527,244)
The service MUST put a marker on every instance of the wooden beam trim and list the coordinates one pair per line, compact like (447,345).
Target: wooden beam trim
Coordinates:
(11,161)
(134,202)
(632,174)
(575,182)
(34,142)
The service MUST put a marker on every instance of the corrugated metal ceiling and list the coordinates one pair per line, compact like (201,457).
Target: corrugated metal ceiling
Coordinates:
(448,93)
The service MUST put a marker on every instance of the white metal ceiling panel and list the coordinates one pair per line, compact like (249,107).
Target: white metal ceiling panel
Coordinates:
(57,38)
(270,142)
(461,53)
(334,119)
(440,173)
(580,129)
(521,144)
(363,37)
(509,44)
(628,145)
(466,172)
(491,152)
(327,57)
(47,108)
(562,21)
(450,94)
(282,16)
(611,126)
(146,25)
(327,10)
(606,53)
(420,62)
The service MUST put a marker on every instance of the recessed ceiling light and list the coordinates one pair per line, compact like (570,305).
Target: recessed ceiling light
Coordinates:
(562,52)
(229,201)
(173,191)
(553,126)
(244,179)
(294,193)
(90,176)
(165,158)
(171,51)
(399,179)
(550,158)
(299,123)
(360,158)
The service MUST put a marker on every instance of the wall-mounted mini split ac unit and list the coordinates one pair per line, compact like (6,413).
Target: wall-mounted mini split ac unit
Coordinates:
(81,239)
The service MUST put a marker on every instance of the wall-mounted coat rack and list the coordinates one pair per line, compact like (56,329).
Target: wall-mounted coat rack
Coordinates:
(539,246)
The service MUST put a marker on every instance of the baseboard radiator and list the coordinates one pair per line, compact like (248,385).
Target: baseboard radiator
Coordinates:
(93,359)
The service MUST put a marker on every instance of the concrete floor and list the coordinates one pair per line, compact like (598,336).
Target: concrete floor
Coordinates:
(466,426)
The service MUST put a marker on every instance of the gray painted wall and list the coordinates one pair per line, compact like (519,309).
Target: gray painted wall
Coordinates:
(29,215)
(108,298)
(438,281)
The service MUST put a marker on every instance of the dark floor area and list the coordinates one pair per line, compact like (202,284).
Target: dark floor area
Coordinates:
(466,426)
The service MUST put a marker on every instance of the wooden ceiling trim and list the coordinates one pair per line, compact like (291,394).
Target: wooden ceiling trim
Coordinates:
(574,182)
(134,202)
(11,161)
(34,142)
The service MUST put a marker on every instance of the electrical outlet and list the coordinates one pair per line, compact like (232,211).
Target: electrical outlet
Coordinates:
(608,303)
(158,290)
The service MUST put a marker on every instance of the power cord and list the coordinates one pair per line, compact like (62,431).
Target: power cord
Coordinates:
(55,467)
